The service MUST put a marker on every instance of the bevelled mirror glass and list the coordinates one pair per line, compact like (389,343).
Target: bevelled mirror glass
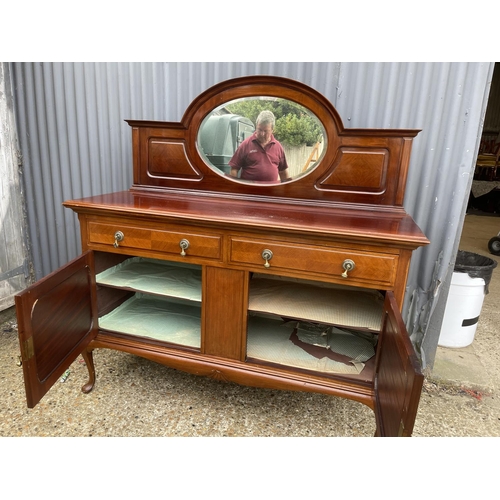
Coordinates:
(291,131)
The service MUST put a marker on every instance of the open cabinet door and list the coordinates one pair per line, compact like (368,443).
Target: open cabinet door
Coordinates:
(57,318)
(398,377)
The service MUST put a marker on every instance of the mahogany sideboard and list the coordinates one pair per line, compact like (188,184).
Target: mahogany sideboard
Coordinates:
(294,285)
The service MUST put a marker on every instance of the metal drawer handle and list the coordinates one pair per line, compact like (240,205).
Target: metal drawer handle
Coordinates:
(347,265)
(184,244)
(267,255)
(118,237)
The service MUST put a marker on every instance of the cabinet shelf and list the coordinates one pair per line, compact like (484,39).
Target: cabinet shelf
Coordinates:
(156,318)
(275,341)
(340,306)
(156,277)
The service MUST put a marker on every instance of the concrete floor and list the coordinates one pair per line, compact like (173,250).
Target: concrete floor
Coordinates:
(477,367)
(135,397)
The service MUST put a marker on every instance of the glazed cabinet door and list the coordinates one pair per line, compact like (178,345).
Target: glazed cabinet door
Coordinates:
(57,318)
(398,377)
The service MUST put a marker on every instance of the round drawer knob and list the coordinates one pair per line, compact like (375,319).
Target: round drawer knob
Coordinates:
(118,237)
(347,265)
(267,255)
(184,244)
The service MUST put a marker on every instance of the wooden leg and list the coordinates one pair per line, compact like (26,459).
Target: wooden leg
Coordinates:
(89,361)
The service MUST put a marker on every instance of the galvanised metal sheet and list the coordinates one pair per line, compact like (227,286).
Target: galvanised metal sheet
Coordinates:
(75,143)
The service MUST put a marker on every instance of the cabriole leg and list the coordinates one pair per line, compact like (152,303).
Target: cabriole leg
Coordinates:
(89,361)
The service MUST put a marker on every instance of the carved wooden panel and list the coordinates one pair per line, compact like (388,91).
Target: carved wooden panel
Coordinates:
(358,169)
(168,159)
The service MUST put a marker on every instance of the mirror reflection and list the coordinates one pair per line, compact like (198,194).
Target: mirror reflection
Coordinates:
(262,139)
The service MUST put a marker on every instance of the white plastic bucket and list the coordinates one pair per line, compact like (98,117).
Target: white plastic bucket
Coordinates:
(462,311)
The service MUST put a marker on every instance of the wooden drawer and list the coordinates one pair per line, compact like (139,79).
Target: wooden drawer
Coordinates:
(369,268)
(163,241)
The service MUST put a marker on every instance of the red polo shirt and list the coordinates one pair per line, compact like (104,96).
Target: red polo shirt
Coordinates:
(258,163)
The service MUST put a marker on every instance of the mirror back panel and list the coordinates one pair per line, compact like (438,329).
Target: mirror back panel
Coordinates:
(359,166)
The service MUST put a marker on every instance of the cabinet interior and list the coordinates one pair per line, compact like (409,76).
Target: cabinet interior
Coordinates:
(163,300)
(292,322)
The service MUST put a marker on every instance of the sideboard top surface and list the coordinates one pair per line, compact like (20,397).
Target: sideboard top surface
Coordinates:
(382,226)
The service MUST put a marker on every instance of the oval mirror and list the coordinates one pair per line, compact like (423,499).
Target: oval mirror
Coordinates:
(242,141)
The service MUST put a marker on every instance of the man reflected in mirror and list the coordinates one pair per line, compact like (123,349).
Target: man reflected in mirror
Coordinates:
(261,157)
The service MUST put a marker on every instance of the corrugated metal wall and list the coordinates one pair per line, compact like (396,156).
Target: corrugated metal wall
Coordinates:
(75,143)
